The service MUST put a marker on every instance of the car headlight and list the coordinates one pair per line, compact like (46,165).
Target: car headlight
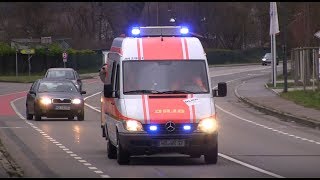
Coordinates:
(133,125)
(208,125)
(76,101)
(263,59)
(45,101)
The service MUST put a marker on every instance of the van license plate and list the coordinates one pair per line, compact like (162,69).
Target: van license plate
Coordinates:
(62,108)
(172,143)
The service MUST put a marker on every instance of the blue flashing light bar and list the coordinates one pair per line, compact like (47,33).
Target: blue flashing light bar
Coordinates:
(135,31)
(153,128)
(187,127)
(160,31)
(184,30)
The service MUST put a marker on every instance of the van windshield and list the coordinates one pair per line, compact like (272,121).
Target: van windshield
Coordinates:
(163,76)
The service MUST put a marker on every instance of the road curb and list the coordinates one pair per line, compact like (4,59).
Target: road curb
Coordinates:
(286,116)
(8,164)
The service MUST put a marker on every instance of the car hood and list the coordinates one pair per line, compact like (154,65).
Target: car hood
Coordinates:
(60,95)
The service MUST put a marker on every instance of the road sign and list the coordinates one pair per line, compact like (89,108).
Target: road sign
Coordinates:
(317,34)
(27,51)
(64,55)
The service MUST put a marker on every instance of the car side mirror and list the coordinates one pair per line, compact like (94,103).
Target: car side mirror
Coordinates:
(32,92)
(221,91)
(107,90)
(83,92)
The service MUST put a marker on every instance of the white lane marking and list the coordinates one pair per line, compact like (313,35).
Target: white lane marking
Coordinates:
(59,144)
(250,166)
(87,164)
(266,127)
(92,107)
(98,172)
(229,158)
(53,140)
(83,161)
(91,95)
(105,176)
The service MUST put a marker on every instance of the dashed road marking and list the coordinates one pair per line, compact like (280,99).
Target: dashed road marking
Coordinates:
(76,157)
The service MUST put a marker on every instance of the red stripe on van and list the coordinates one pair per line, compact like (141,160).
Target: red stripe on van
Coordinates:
(156,49)
(163,110)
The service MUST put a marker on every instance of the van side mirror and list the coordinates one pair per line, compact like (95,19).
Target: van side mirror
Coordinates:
(221,91)
(107,90)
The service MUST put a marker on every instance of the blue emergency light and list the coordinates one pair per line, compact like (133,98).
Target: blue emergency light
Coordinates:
(153,128)
(187,127)
(135,31)
(160,31)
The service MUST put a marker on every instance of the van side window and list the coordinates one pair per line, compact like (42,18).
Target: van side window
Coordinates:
(117,87)
(113,73)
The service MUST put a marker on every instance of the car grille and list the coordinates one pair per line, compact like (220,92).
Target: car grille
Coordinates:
(61,101)
(178,129)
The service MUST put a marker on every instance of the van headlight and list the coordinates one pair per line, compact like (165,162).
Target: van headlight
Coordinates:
(208,125)
(45,101)
(133,125)
(76,101)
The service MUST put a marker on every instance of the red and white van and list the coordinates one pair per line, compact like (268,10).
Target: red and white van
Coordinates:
(157,96)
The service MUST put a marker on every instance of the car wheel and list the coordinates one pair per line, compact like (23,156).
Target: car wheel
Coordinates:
(81,116)
(211,156)
(71,117)
(122,155)
(111,150)
(29,116)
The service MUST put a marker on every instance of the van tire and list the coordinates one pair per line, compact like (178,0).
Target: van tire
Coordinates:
(122,155)
(211,156)
(111,150)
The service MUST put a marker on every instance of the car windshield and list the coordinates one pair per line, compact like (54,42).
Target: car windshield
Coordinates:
(57,87)
(268,55)
(60,74)
(163,76)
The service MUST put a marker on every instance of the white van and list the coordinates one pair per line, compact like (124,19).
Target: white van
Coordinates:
(157,96)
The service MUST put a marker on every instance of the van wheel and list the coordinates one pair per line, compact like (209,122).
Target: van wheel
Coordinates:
(122,155)
(211,156)
(112,150)
(37,117)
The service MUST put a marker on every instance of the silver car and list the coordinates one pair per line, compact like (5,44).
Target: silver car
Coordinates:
(65,73)
(267,58)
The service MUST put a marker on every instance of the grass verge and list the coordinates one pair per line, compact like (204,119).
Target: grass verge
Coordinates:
(306,98)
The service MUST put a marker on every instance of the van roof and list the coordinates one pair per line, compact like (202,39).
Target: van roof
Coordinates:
(158,48)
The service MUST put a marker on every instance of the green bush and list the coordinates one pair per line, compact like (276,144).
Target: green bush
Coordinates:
(5,49)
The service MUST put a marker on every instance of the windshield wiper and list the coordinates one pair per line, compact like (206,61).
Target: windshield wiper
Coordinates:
(177,92)
(143,91)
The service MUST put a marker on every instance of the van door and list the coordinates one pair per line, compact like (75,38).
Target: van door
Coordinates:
(112,108)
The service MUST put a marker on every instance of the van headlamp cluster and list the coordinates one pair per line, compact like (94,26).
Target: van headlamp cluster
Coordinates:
(133,125)
(208,125)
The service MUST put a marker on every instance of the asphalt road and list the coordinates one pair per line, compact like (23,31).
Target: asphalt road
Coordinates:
(251,143)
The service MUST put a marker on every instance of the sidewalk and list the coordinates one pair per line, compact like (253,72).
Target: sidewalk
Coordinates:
(255,93)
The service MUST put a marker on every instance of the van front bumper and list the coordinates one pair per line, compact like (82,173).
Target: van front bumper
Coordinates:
(194,143)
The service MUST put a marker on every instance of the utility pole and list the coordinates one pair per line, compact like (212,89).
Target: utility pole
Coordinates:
(157,13)
(285,69)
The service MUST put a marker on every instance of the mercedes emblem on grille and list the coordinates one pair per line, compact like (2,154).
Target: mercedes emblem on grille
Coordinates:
(170,126)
